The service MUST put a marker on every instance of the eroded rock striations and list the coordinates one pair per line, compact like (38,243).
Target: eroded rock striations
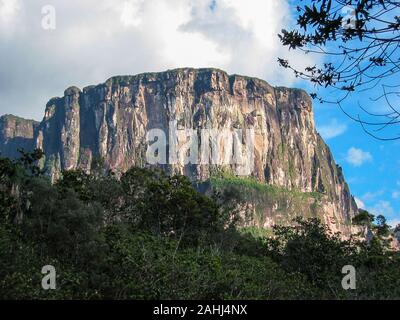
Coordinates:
(16,133)
(109,122)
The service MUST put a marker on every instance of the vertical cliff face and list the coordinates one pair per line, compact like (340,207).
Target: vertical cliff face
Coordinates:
(16,133)
(109,123)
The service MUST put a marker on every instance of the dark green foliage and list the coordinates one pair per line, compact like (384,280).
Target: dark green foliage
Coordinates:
(168,206)
(151,236)
(307,248)
(363,218)
(154,268)
(379,229)
(382,228)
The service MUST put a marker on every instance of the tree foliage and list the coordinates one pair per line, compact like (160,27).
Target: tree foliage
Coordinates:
(152,236)
(358,41)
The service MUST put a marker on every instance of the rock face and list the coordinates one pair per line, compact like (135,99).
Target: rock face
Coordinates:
(109,123)
(16,133)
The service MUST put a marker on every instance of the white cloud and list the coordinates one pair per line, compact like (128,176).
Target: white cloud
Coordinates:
(332,129)
(96,39)
(359,203)
(369,196)
(382,208)
(130,13)
(396,194)
(9,10)
(357,157)
(393,223)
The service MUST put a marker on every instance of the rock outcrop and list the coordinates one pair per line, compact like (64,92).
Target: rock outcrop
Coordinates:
(109,123)
(16,133)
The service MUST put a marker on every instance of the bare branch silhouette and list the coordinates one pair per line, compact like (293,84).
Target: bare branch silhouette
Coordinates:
(360,41)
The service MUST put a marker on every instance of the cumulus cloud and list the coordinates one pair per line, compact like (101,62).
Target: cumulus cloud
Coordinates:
(331,130)
(383,208)
(369,196)
(357,157)
(96,39)
(8,10)
(359,203)
(130,13)
(371,202)
(393,223)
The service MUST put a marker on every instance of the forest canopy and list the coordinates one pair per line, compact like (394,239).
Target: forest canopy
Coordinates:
(147,235)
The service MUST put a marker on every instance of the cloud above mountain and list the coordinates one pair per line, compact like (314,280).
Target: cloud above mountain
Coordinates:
(94,40)
(332,129)
(357,157)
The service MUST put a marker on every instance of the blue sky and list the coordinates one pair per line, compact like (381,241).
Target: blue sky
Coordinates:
(96,39)
(371,167)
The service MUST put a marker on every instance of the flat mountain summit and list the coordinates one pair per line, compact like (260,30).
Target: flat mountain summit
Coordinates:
(292,171)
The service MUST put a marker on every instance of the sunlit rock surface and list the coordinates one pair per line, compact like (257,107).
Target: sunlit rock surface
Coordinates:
(108,123)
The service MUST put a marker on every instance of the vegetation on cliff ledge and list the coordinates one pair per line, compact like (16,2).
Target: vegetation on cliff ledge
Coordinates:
(279,203)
